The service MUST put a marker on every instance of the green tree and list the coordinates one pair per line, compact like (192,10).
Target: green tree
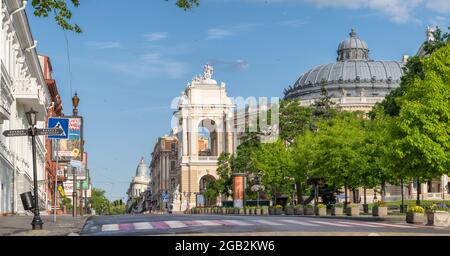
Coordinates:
(304,151)
(379,167)
(224,184)
(67,202)
(187,4)
(422,130)
(58,8)
(98,200)
(294,119)
(63,14)
(339,155)
(274,161)
(413,70)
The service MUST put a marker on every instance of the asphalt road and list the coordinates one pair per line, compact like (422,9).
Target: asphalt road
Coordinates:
(139,225)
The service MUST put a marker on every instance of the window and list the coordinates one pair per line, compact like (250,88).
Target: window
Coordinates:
(172,165)
(174,146)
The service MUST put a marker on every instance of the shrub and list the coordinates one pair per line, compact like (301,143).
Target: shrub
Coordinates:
(309,206)
(380,204)
(353,205)
(436,207)
(416,209)
(338,205)
(278,206)
(321,206)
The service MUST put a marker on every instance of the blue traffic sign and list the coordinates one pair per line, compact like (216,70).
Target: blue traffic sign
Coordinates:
(62,123)
(164,196)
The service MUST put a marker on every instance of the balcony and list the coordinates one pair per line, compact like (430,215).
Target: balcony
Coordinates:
(200,159)
(208,158)
(6,98)
(28,93)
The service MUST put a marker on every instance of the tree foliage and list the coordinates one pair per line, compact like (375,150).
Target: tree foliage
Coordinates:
(412,71)
(274,161)
(61,11)
(339,155)
(63,14)
(98,200)
(422,131)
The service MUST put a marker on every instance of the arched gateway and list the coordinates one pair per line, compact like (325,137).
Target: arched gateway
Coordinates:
(204,133)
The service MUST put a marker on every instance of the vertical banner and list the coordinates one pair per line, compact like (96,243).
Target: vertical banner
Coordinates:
(71,149)
(239,190)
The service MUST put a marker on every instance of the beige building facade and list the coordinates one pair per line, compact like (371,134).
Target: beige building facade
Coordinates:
(204,131)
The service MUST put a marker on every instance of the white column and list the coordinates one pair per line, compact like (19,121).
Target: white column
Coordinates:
(193,138)
(185,138)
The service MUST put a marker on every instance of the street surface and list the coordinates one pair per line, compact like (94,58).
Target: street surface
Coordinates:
(21,225)
(131,225)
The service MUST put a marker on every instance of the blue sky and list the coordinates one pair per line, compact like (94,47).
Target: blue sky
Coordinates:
(131,61)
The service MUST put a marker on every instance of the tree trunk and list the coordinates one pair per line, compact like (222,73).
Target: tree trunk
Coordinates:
(419,191)
(403,196)
(383,191)
(345,192)
(275,195)
(300,193)
(354,195)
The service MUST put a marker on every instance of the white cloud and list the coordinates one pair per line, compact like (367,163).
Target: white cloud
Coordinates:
(156,36)
(103,45)
(150,65)
(218,33)
(442,6)
(441,22)
(236,65)
(227,31)
(398,11)
(292,23)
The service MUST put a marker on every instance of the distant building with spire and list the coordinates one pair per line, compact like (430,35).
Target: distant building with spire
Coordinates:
(138,186)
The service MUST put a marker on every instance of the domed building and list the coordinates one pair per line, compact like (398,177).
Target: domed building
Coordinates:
(354,82)
(139,184)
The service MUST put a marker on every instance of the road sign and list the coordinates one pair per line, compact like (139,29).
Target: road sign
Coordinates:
(16,133)
(164,196)
(62,123)
(50,132)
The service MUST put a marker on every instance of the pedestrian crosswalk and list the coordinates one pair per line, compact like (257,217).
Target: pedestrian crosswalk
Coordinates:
(309,223)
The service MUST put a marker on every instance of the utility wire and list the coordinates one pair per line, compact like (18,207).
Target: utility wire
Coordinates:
(68,58)
(69,62)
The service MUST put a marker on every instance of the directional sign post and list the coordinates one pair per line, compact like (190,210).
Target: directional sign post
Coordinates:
(50,132)
(58,130)
(26,132)
(17,133)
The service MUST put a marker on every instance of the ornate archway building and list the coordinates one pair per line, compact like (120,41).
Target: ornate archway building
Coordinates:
(204,133)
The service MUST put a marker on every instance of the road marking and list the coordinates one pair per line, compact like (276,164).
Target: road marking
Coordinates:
(160,225)
(391,225)
(239,223)
(224,223)
(359,224)
(300,223)
(330,223)
(176,224)
(208,223)
(126,226)
(110,227)
(142,225)
(270,223)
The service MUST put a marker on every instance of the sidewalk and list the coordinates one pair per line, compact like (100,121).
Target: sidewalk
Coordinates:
(389,218)
(21,226)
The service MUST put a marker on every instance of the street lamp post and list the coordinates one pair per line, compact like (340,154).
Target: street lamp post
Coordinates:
(32,120)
